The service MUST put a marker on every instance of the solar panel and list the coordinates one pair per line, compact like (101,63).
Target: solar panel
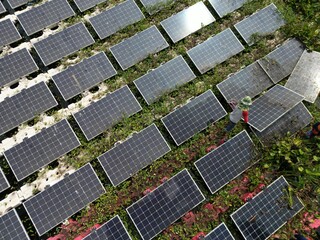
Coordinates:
(271,106)
(127,158)
(4,184)
(84,5)
(63,199)
(226,162)
(164,79)
(215,50)
(250,81)
(220,233)
(187,21)
(267,212)
(263,22)
(134,49)
(41,149)
(106,112)
(2,8)
(84,75)
(64,43)
(223,7)
(9,33)
(15,66)
(305,78)
(193,117)
(164,205)
(17,3)
(280,63)
(45,15)
(116,18)
(111,230)
(153,6)
(11,227)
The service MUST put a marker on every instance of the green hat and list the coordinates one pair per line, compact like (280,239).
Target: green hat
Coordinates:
(245,103)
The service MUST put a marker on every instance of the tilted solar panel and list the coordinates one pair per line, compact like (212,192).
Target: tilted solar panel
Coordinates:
(9,33)
(4,184)
(11,227)
(153,6)
(84,5)
(17,3)
(223,7)
(2,8)
(220,233)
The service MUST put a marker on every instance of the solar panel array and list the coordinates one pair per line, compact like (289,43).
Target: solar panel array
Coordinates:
(4,184)
(187,21)
(267,212)
(305,78)
(84,5)
(17,3)
(11,227)
(84,75)
(271,106)
(103,114)
(280,63)
(24,106)
(164,205)
(15,66)
(215,50)
(226,162)
(127,158)
(164,79)
(111,230)
(134,49)
(64,43)
(263,22)
(9,33)
(250,81)
(223,7)
(41,149)
(193,117)
(45,15)
(116,18)
(220,233)
(2,8)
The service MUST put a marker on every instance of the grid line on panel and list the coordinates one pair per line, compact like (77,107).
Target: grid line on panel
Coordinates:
(266,212)
(138,47)
(223,7)
(164,205)
(84,75)
(127,158)
(193,117)
(12,227)
(215,50)
(4,184)
(84,5)
(9,33)
(220,233)
(116,18)
(163,79)
(153,6)
(103,114)
(41,149)
(178,28)
(63,199)
(2,8)
(17,3)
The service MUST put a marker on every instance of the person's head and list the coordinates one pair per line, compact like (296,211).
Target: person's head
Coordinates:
(245,103)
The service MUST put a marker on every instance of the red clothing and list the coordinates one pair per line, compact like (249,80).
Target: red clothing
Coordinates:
(245,115)
(316,129)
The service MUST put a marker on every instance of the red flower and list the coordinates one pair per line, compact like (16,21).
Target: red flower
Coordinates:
(247,196)
(58,237)
(209,206)
(199,236)
(148,190)
(315,223)
(245,179)
(238,188)
(210,148)
(164,179)
(189,218)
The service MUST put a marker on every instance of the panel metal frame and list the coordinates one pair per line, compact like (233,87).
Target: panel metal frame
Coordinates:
(19,220)
(6,180)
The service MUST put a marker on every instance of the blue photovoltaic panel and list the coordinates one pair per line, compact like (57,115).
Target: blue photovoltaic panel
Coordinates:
(267,212)
(84,5)
(215,50)
(220,233)
(9,33)
(164,79)
(11,227)
(164,205)
(64,43)
(60,201)
(223,7)
(116,18)
(263,22)
(193,117)
(103,114)
(153,6)
(2,8)
(134,49)
(17,3)
(4,184)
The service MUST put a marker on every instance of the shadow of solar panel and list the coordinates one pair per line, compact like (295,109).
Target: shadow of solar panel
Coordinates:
(11,227)
(133,50)
(164,79)
(215,50)
(250,81)
(9,33)
(84,75)
(305,78)
(267,212)
(17,3)
(263,22)
(164,205)
(127,158)
(223,7)
(280,63)
(2,8)
(106,112)
(220,233)
(193,117)
(4,184)
(271,106)
(187,21)
(45,15)
(55,204)
(84,5)
(15,66)
(24,106)
(226,162)
(41,149)
(111,230)
(64,43)
(116,18)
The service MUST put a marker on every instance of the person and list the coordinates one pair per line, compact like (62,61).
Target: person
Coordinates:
(315,131)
